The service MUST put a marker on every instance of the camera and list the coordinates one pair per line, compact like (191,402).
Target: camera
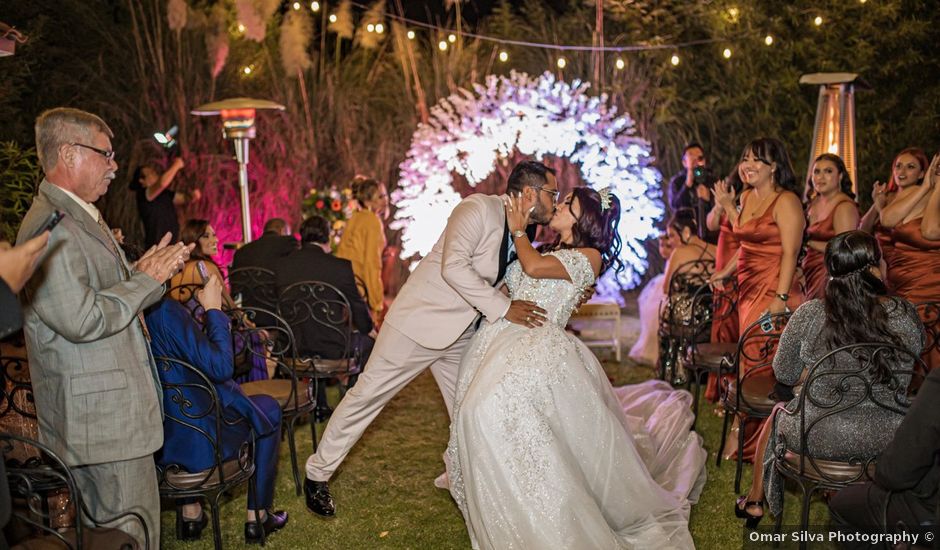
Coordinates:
(702,175)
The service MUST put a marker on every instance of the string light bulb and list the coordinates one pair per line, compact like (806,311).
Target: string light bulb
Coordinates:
(818,21)
(504,56)
(247,70)
(296,6)
(314,6)
(562,62)
(733,13)
(241,28)
(451,38)
(370,27)
(332,18)
(379,28)
(769,40)
(620,64)
(411,35)
(726,53)
(674,59)
(442,45)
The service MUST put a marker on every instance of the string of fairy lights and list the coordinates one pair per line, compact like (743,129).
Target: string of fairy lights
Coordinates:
(448,37)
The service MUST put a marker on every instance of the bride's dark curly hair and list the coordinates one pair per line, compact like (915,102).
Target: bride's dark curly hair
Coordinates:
(597,227)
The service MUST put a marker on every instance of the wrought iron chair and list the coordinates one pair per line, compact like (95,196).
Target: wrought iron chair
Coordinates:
(258,289)
(832,389)
(751,393)
(929,313)
(225,472)
(294,393)
(183,293)
(32,480)
(678,317)
(701,356)
(311,307)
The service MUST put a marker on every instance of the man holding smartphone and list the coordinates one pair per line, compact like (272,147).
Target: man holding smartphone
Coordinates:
(94,380)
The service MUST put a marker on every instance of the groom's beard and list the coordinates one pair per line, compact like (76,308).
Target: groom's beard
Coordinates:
(541,215)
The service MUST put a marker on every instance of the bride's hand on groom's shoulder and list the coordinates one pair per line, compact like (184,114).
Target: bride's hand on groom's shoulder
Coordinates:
(527,314)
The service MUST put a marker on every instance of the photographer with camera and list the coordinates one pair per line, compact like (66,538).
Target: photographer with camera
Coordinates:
(691,188)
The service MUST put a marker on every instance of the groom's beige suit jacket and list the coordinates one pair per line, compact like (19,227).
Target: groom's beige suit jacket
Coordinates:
(453,284)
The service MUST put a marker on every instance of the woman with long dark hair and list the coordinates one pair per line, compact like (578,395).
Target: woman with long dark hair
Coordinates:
(541,450)
(830,210)
(855,309)
(914,264)
(770,229)
(207,245)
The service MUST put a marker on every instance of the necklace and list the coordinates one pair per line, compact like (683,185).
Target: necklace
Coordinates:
(761,204)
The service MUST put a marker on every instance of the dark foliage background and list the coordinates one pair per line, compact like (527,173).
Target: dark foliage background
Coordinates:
(354,109)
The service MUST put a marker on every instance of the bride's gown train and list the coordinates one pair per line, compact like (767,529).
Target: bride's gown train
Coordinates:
(544,453)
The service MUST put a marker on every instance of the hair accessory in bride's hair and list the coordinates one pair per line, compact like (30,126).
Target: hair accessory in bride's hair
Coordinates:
(605,198)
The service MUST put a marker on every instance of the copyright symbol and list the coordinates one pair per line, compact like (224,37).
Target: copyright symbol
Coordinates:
(928,536)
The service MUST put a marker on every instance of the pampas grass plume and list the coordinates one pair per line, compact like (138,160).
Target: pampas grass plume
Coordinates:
(344,25)
(176,11)
(295,40)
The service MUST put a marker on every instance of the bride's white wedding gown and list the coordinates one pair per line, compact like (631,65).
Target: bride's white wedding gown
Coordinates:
(544,453)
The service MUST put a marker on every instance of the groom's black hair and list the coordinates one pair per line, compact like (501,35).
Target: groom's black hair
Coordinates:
(528,173)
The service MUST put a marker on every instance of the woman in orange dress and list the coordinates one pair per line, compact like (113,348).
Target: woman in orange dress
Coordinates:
(831,210)
(914,271)
(770,230)
(720,218)
(363,240)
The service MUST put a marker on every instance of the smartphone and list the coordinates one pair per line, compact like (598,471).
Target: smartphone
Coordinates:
(52,221)
(201,266)
(766,324)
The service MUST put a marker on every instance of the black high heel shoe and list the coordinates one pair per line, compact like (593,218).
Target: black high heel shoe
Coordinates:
(190,529)
(751,520)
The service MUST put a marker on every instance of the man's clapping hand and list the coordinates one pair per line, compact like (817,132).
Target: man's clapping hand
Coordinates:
(163,260)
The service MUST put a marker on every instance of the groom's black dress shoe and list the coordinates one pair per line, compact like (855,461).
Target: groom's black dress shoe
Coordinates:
(255,531)
(319,499)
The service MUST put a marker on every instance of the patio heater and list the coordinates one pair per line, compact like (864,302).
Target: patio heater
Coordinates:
(238,125)
(834,131)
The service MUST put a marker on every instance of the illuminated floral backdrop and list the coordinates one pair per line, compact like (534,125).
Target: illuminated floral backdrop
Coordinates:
(469,131)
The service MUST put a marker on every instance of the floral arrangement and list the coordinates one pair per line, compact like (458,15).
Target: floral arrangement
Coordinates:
(333,204)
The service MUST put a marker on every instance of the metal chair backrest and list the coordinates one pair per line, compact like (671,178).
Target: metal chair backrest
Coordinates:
(757,347)
(16,388)
(834,388)
(257,286)
(31,481)
(317,307)
(929,313)
(196,402)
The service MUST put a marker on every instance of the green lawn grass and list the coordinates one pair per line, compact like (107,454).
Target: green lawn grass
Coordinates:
(385,495)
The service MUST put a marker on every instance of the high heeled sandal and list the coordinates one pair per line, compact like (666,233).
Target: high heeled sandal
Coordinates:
(751,520)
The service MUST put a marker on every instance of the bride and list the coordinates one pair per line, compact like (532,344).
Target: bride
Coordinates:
(543,452)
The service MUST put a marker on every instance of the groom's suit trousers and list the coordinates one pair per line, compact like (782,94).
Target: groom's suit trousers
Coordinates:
(396,360)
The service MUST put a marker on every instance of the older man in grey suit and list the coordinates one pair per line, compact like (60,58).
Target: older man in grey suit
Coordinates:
(94,380)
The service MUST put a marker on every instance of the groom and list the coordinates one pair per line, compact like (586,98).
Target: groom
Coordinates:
(434,316)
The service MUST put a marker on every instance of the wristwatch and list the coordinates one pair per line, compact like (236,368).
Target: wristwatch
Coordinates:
(518,233)
(783,297)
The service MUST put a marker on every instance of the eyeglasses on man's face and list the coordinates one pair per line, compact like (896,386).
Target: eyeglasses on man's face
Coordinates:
(108,155)
(553,192)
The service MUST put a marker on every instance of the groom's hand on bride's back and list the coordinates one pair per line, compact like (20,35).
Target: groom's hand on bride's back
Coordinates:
(525,313)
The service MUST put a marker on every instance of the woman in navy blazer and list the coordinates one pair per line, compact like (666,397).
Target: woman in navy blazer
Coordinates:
(175,334)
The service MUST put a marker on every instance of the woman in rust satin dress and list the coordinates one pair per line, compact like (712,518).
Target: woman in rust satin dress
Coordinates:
(831,210)
(914,268)
(725,318)
(770,230)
